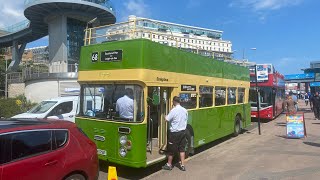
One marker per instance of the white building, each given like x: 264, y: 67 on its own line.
x: 207, y: 42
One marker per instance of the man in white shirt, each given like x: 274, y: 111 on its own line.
x: 124, y: 105
x: 177, y: 118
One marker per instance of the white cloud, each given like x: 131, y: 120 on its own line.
x: 11, y: 12
x: 135, y: 7
x: 264, y: 5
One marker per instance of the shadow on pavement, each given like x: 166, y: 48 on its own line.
x: 282, y: 136
x: 261, y: 120
x: 316, y: 123
x: 281, y: 124
x: 139, y: 173
x: 131, y: 173
x: 312, y: 144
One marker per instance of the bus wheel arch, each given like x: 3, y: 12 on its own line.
x: 190, y: 140
x: 237, y: 125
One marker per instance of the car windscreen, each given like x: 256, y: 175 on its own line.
x: 42, y: 107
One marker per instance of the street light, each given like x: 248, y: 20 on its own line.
x: 6, y: 81
x: 257, y: 92
x: 243, y: 52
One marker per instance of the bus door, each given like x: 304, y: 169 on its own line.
x: 158, y: 107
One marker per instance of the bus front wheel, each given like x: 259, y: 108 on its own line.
x: 237, y: 126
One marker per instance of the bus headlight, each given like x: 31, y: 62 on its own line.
x: 123, y: 140
x: 123, y: 152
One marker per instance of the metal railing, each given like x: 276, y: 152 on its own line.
x: 17, y: 27
x: 33, y: 72
x: 105, y: 3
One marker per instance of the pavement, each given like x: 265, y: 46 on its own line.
x: 250, y: 156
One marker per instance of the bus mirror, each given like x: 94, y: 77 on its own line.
x: 155, y: 99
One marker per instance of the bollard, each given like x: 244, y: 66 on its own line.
x: 112, y: 173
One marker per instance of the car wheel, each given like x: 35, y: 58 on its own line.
x: 237, y: 126
x: 76, y: 177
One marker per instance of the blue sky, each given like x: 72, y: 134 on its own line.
x: 285, y: 32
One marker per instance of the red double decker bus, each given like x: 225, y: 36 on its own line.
x: 271, y: 86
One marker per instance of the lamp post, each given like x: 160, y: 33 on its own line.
x: 257, y: 90
x: 258, y: 98
x: 6, y: 81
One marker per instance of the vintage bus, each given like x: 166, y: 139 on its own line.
x: 214, y: 92
x: 271, y: 86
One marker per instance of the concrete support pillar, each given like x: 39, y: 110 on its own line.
x: 58, y: 50
x: 17, y: 52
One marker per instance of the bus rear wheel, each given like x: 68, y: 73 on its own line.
x: 237, y: 126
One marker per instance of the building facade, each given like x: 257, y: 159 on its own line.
x: 207, y: 42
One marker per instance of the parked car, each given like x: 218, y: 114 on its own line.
x: 32, y: 149
x: 63, y: 108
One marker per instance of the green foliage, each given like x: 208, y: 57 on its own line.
x: 14, y: 106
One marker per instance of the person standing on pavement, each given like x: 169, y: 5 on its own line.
x: 306, y: 99
x: 177, y: 119
x: 311, y: 101
x: 316, y: 105
x: 290, y: 105
x: 295, y: 99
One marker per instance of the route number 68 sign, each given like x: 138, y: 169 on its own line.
x: 94, y: 56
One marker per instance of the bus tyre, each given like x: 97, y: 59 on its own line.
x: 188, y: 148
x: 237, y: 126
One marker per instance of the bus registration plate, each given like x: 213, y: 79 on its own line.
x: 253, y: 116
x: 102, y: 152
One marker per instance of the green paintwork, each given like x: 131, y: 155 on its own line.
x: 136, y: 157
x: 143, y: 53
x: 210, y: 124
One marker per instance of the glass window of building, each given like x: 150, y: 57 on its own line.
x: 220, y: 96
x: 75, y: 36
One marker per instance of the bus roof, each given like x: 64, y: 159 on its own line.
x: 145, y: 54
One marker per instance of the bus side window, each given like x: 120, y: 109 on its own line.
x: 232, y: 95
x: 206, y: 98
x: 241, y: 93
x: 188, y: 100
x: 220, y: 93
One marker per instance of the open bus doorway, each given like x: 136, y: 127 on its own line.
x: 158, y: 107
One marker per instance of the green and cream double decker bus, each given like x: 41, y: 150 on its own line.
x: 215, y: 94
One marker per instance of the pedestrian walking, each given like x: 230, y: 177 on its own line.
x: 316, y: 105
x: 177, y: 119
x: 295, y: 99
x: 311, y: 101
x: 306, y: 99
x: 290, y: 105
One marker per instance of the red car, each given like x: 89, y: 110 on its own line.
x: 46, y: 149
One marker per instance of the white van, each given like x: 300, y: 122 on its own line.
x: 63, y: 108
